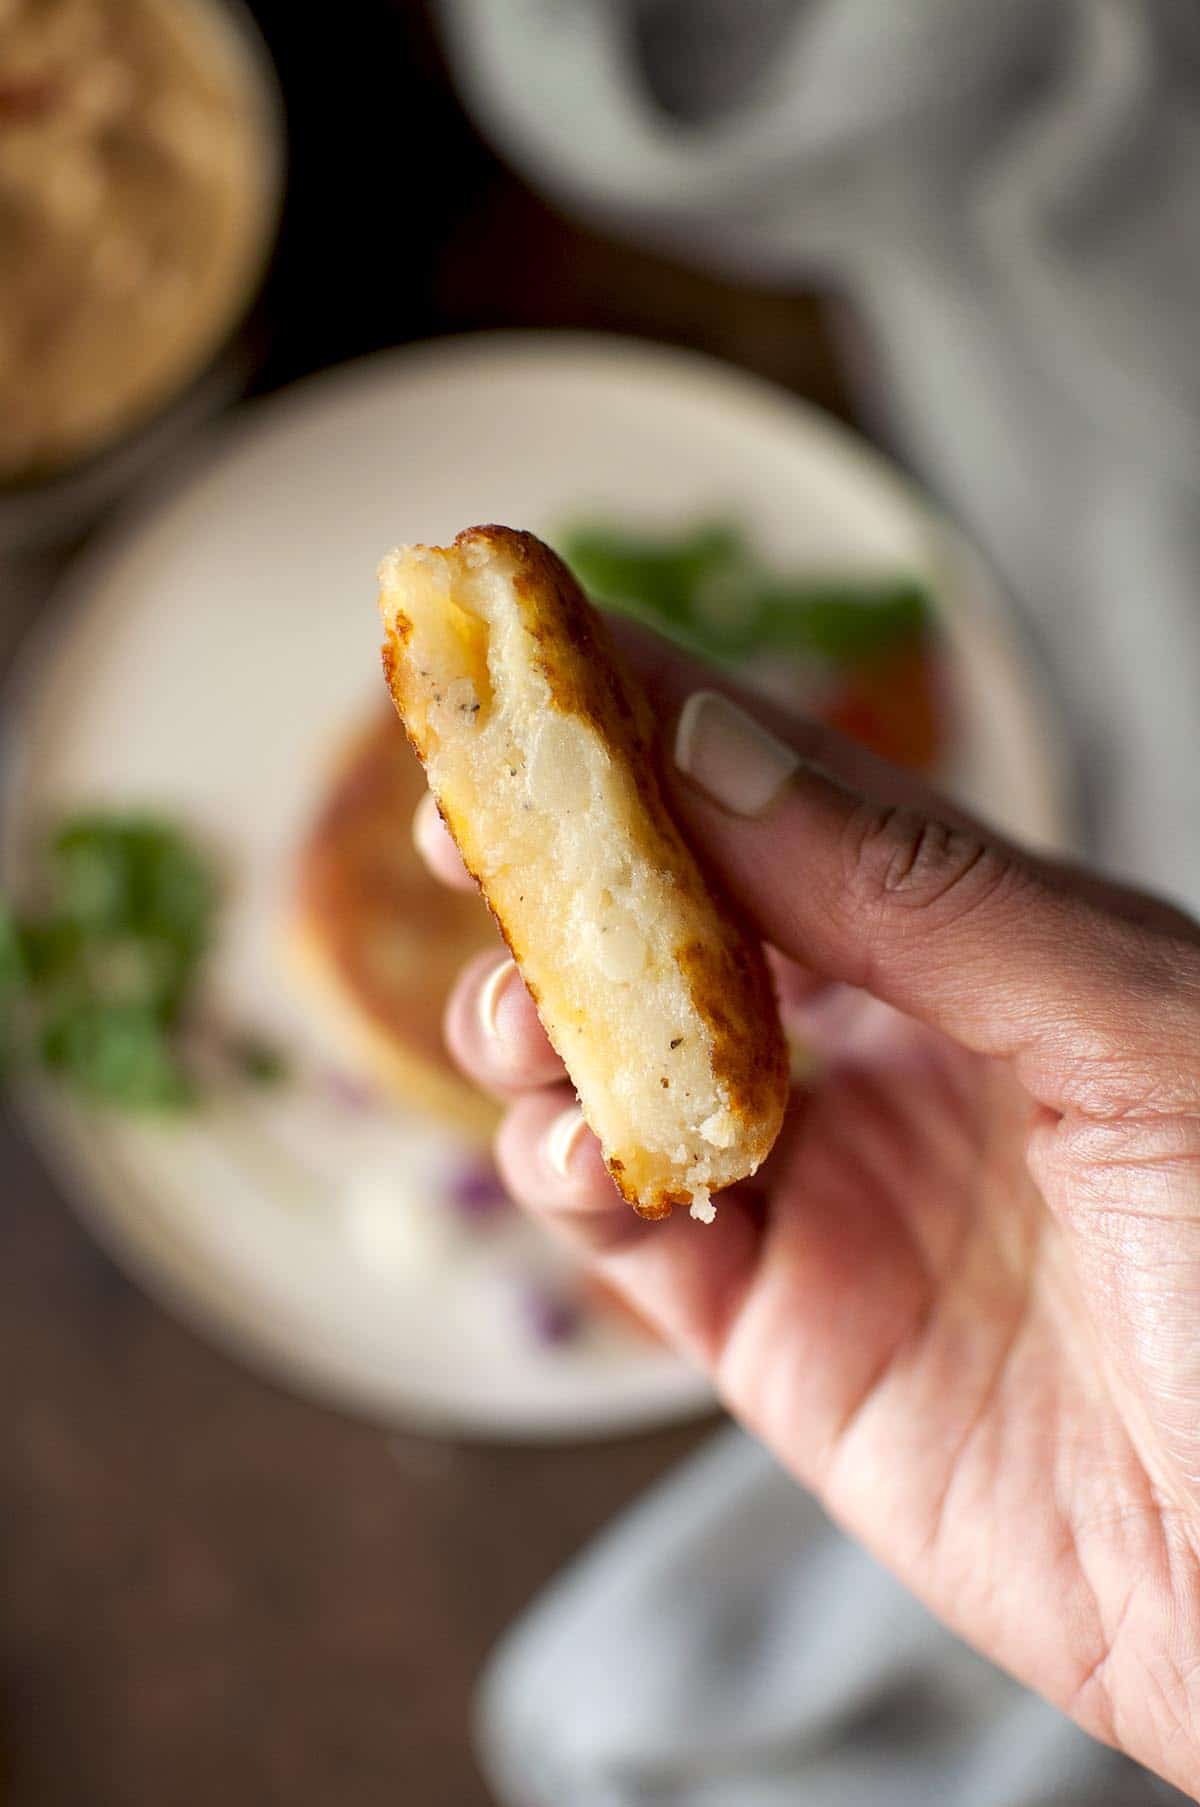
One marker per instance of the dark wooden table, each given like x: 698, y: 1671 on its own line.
x: 214, y: 1592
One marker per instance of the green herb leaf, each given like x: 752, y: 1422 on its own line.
x: 653, y: 572
x: 13, y: 979
x: 848, y: 623
x: 662, y: 579
x: 132, y: 876
x: 116, y: 1054
x: 706, y: 591
x: 98, y: 983
x: 49, y: 948
x: 13, y: 974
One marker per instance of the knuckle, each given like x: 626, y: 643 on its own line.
x: 1156, y: 1031
x: 1129, y: 1050
x: 1181, y: 954
x: 1112, y: 1079
x: 1157, y: 976
x: 901, y: 858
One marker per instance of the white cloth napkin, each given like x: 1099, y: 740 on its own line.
x: 1010, y: 192
x: 724, y: 1646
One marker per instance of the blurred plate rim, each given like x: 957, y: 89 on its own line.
x: 58, y: 1126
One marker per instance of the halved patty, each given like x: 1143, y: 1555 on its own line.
x: 376, y: 938
x: 540, y: 751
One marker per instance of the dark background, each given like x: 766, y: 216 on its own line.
x: 213, y: 1592
x: 401, y: 224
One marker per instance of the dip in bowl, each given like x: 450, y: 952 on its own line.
x: 140, y: 174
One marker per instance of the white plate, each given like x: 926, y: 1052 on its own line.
x: 213, y: 653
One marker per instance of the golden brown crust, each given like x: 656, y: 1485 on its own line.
x: 378, y: 935
x: 720, y: 958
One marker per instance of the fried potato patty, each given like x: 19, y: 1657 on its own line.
x: 376, y: 939
x: 540, y: 751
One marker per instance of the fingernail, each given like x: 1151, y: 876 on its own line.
x: 562, y: 1139
x: 489, y: 997
x: 723, y: 750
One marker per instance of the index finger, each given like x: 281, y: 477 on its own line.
x: 670, y: 677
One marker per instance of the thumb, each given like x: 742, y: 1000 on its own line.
x: 1094, y: 992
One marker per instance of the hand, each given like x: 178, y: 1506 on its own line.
x: 962, y: 1299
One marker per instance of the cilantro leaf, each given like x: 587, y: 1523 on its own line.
x: 116, y: 1054
x: 706, y: 591
x: 99, y: 982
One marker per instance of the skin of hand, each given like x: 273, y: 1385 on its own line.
x: 961, y: 1301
